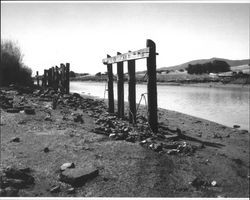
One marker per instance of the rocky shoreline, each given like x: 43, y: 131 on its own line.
x: 43, y: 132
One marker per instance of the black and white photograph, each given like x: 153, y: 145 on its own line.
x: 136, y: 99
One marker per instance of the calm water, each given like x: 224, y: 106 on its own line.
x: 227, y: 106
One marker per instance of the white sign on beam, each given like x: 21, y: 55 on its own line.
x: 142, y: 53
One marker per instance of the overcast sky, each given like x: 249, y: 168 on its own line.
x: 84, y: 33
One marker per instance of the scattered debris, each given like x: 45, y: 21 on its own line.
x: 71, y: 190
x: 11, y: 192
x: 13, y: 110
x: 15, y: 173
x: 55, y: 189
x: 29, y: 111
x: 198, y: 183
x: 78, y: 118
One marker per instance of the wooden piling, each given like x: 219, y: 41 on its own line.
x: 120, y: 88
x: 53, y: 77
x: 37, y: 78
x: 56, y: 78
x: 110, y: 88
x: 45, y: 78
x: 67, y: 78
x: 50, y: 77
x: 152, y: 88
x: 131, y: 91
x: 62, y: 88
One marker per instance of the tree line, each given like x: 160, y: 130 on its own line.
x: 215, y: 66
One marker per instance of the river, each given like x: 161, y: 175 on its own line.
x: 227, y: 106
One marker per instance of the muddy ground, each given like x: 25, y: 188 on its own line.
x: 189, y: 157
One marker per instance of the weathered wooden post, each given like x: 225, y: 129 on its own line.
x: 56, y: 77
x: 152, y: 88
x: 120, y: 88
x: 131, y: 91
x: 50, y: 77
x: 62, y: 77
x: 67, y: 78
x: 53, y: 77
x: 37, y: 78
x: 110, y: 87
x: 45, y: 78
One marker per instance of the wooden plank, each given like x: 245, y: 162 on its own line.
x: 142, y: 53
x: 120, y: 89
x: 110, y: 87
x: 131, y: 91
x: 152, y: 88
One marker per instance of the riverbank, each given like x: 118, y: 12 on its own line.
x: 189, y: 157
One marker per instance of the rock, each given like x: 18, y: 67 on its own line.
x: 78, y: 118
x: 213, y: 183
x: 121, y: 136
x: 15, y: 139
x: 29, y: 111
x: 76, y: 95
x: 12, y: 110
x: 77, y: 177
x: 46, y: 150
x: 15, y: 183
x: 197, y: 183
x: 14, y: 173
x: 11, y: 192
x: 112, y: 135
x: 173, y: 151
x: 130, y: 139
x: 66, y: 166
x: 236, y: 126
x: 143, y: 142
x: 48, y: 118
x: 157, y: 147
x: 243, y: 131
x: 55, y: 189
x: 71, y: 191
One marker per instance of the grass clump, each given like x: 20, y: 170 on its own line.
x: 12, y: 69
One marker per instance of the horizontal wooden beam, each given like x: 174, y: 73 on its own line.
x: 134, y: 55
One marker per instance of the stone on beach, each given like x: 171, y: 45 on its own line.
x: 78, y: 176
x: 66, y: 166
x: 29, y: 111
x: 15, y: 139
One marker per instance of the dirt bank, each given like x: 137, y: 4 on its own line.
x: 189, y: 157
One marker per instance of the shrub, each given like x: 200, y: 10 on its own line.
x: 210, y: 67
x: 12, y: 70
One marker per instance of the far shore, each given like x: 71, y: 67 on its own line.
x: 206, y: 85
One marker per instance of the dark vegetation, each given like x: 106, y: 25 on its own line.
x: 12, y: 69
x: 215, y: 66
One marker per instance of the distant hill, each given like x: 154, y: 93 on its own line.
x: 232, y: 63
